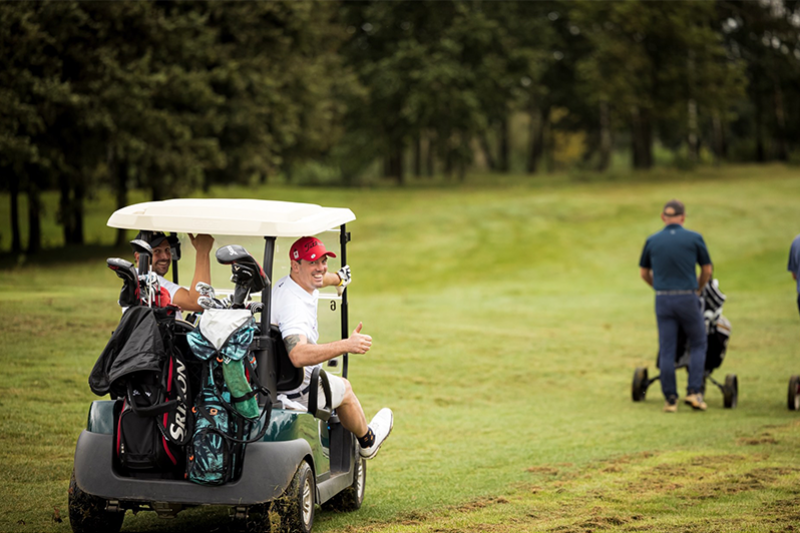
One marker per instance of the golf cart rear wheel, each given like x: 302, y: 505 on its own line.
x: 793, y: 399
x: 640, y: 384
x: 296, y: 506
x: 351, y: 498
x: 731, y: 391
x: 87, y: 513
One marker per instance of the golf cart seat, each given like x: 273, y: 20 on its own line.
x: 290, y: 377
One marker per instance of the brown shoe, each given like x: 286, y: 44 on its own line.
x: 670, y: 407
x: 696, y: 401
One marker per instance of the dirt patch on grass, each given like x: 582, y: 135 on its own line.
x: 481, y: 503
x: 764, y: 438
x: 633, y: 493
x: 543, y: 470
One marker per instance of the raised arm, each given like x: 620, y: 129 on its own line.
x: 187, y: 299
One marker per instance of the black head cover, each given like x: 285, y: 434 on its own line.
x: 129, y: 295
x: 244, y: 267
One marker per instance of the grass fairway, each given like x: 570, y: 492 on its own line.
x: 507, y: 322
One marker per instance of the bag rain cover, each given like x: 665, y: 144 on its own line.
x: 225, y: 331
x: 136, y: 345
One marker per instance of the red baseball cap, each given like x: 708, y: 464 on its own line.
x: 308, y: 249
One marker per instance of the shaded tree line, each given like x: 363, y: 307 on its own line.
x: 178, y: 96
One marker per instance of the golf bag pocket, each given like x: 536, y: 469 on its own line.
x: 209, y: 454
x: 140, y: 445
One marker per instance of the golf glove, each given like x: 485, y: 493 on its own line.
x: 344, y: 275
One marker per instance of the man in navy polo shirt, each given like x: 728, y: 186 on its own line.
x: 794, y: 265
x: 668, y: 265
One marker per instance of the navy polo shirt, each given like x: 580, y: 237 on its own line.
x: 672, y: 254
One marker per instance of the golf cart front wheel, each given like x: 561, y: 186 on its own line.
x: 730, y: 391
x: 793, y: 400
x: 640, y: 384
x: 296, y: 506
x: 87, y: 513
x: 351, y: 498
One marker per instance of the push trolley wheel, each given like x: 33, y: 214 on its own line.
x: 640, y: 384
x: 731, y: 391
x: 793, y: 399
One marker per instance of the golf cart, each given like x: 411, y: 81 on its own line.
x: 287, y: 461
x: 718, y: 329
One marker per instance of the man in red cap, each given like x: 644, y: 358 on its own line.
x: 294, y: 310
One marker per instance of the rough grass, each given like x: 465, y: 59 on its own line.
x: 508, y: 318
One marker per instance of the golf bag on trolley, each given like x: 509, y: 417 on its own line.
x: 226, y: 408
x: 143, y: 368
x: 226, y: 405
x: 718, y: 330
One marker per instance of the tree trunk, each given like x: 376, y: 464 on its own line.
x: 119, y: 169
x: 78, y: 212
x: 535, y: 139
x: 387, y: 166
x: 399, y: 171
x: 34, y: 214
x: 719, y: 139
x: 605, y: 136
x: 430, y: 157
x: 487, y: 150
x: 548, y: 143
x: 16, y: 236
x: 780, y: 122
x: 693, y: 138
x: 156, y: 189
x: 65, y: 207
x: 393, y: 165
x: 464, y: 148
x: 448, y: 157
x: 504, y: 164
x: 418, y: 156
x: 641, y: 139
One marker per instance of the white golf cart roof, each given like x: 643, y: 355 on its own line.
x: 225, y: 216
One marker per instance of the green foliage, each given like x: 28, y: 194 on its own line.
x: 164, y: 96
x: 172, y: 97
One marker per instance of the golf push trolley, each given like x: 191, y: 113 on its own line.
x: 718, y: 330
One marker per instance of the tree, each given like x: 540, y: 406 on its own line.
x: 430, y: 69
x: 765, y: 36
x: 649, y: 61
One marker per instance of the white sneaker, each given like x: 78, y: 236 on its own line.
x: 381, y: 426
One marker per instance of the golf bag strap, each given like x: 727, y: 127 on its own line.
x: 258, y: 387
x: 265, y: 414
x: 153, y: 410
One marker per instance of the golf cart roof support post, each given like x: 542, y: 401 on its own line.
x: 174, y: 260
x: 268, y: 376
x: 344, y: 238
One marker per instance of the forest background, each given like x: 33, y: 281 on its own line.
x: 175, y: 97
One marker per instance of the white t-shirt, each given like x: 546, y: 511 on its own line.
x: 294, y: 311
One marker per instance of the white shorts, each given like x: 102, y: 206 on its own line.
x: 338, y: 389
